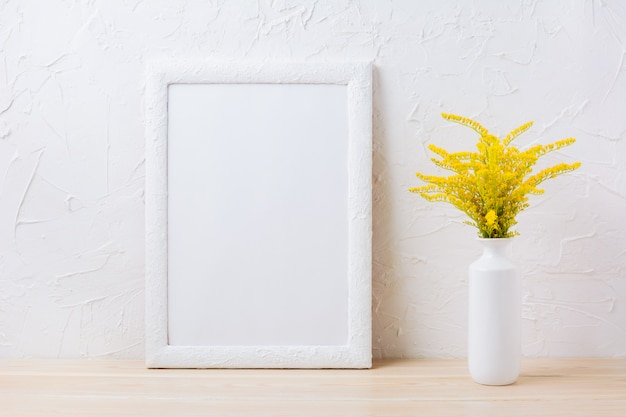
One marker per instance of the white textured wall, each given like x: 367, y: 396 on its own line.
x: 72, y: 158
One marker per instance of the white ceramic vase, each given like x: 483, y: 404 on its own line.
x: 494, y: 327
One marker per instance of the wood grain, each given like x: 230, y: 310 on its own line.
x: 547, y: 387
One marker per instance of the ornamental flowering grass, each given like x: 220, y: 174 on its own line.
x: 491, y: 185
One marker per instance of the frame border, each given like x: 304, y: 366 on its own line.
x: 357, y: 353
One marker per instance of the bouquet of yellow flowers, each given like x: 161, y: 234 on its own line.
x: 492, y: 185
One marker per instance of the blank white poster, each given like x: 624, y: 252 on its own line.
x: 257, y: 219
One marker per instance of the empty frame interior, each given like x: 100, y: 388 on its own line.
x: 258, y: 216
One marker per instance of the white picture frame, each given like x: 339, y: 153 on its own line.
x: 258, y: 215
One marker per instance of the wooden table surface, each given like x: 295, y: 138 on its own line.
x: 546, y: 387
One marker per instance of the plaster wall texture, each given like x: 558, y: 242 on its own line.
x: 72, y: 158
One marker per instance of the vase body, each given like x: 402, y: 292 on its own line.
x: 495, y: 316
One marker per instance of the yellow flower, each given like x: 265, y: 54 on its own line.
x: 492, y: 185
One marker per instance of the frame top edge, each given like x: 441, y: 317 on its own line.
x: 198, y: 71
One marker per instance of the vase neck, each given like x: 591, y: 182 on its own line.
x: 495, y: 247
